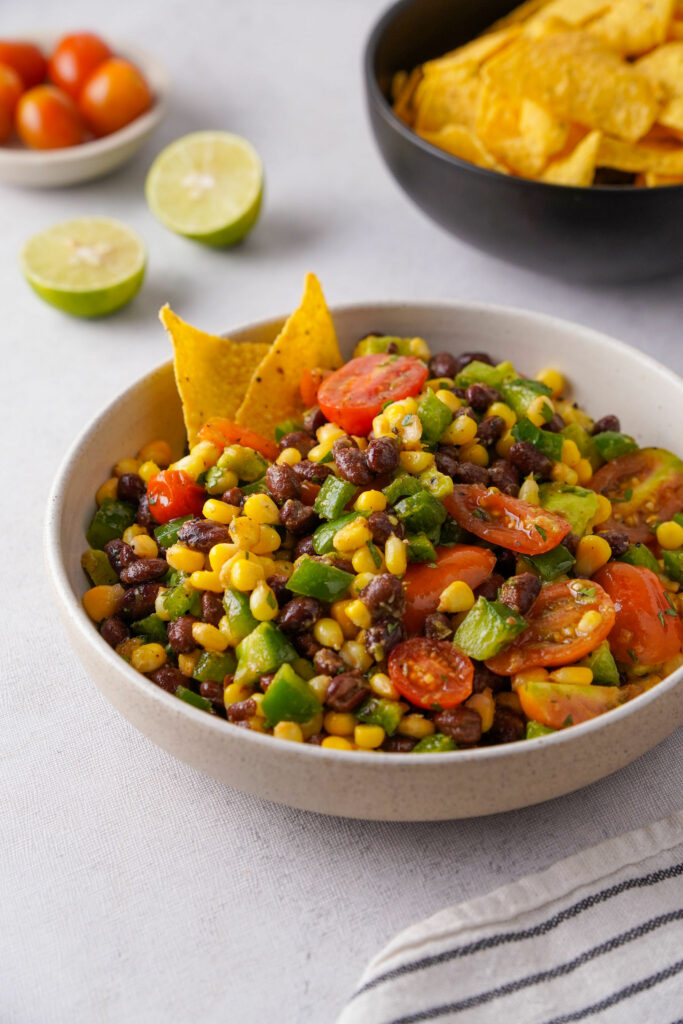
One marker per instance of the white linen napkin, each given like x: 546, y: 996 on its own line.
x: 598, y: 937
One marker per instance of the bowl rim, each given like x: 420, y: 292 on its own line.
x: 159, y: 81
x: 386, y: 111
x: 70, y: 606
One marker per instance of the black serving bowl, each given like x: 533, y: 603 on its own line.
x: 598, y: 234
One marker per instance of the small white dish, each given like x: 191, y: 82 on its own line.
x: 607, y: 377
x: 53, y: 168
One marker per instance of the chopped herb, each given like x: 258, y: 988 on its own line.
x: 272, y: 603
x: 671, y: 603
x: 541, y: 531
x: 587, y: 592
x: 374, y: 553
x: 670, y: 611
x: 436, y: 706
x: 546, y: 412
x: 627, y: 495
x: 406, y: 420
x: 568, y: 721
x: 391, y: 627
x: 632, y: 654
x: 660, y: 616
x: 480, y: 514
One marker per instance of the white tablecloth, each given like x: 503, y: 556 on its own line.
x: 133, y: 889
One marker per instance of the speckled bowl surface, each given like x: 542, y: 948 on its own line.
x: 607, y: 377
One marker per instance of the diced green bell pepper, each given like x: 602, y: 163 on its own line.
x: 603, y: 665
x: 98, y: 567
x: 401, y: 487
x: 109, y: 522
x: 673, y: 564
x: 152, y: 628
x: 264, y: 650
x: 420, y: 548
x: 640, y: 554
x: 247, y: 463
x: 323, y: 537
x: 214, y: 666
x: 421, y: 512
x: 520, y: 393
x: 258, y: 487
x: 552, y: 563
x: 217, y: 479
x: 483, y: 373
x: 577, y: 505
x: 304, y: 668
x: 488, y: 627
x: 238, y: 614
x: 374, y: 344
x: 379, y: 711
x: 437, y: 743
x: 451, y: 533
x: 286, y: 427
x: 543, y: 440
x: 190, y: 697
x: 534, y: 729
x: 315, y: 579
x: 333, y: 497
x: 289, y: 698
x: 611, y: 444
x: 435, y: 417
x: 180, y: 601
x: 584, y: 442
x: 167, y: 533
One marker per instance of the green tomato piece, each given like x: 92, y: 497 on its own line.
x: 437, y: 743
x: 577, y: 505
x: 214, y: 666
x: 435, y: 417
x: 167, y: 534
x: 264, y: 650
x: 152, y: 628
x: 603, y: 665
x: 98, y: 567
x: 289, y: 698
x: 315, y: 579
x: 379, y: 711
x: 109, y: 522
x: 543, y: 440
x: 611, y: 444
x: 333, y: 497
x: 488, y: 627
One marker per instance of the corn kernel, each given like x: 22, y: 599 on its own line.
x: 538, y: 411
x: 187, y: 663
x: 128, y: 465
x: 563, y: 474
x: 363, y: 561
x: 235, y: 693
x: 673, y: 664
x: 504, y: 445
x: 244, y: 532
x: 318, y: 453
x: 395, y: 556
x: 570, y: 453
x: 145, y: 546
x: 338, y: 613
x: 529, y: 491
x: 437, y: 483
x: 289, y: 457
x: 435, y: 383
x: 381, y: 427
x: 281, y: 567
x: 395, y: 412
x: 416, y: 726
x: 245, y: 574
x: 100, y: 602
x: 262, y: 509
x: 288, y: 731
x: 409, y: 430
x: 475, y: 453
x: 156, y: 451
x: 209, y: 637
x: 370, y: 501
x: 485, y: 706
x: 588, y: 623
x: 369, y: 737
x: 339, y: 723
x: 451, y: 401
x: 576, y: 675
x: 336, y: 743
x: 352, y: 536
x: 584, y: 471
x: 592, y: 553
x: 670, y: 535
x: 131, y: 532
x: 382, y: 685
x: 190, y: 464
x: 184, y: 559
x: 329, y: 633
x: 148, y: 657
x: 160, y: 606
x: 318, y: 685
x: 508, y: 415
x: 462, y: 430
x: 359, y: 614
x: 258, y: 701
x: 528, y: 675
x: 354, y: 655
x: 604, y: 509
x: 220, y: 554
x: 205, y: 580
x: 362, y: 442
x: 552, y: 379
x: 219, y: 511
x: 420, y: 349
x: 147, y: 470
x: 456, y: 597
x: 207, y: 452
x: 312, y: 726
x: 416, y: 462
x: 361, y: 581
x: 329, y: 432
x: 108, y: 490
x: 263, y: 603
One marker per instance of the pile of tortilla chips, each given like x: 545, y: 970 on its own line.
x: 253, y: 384
x: 571, y: 92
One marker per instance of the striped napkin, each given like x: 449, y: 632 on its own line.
x: 597, y: 937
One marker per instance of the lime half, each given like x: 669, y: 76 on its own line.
x: 207, y: 186
x: 88, y: 267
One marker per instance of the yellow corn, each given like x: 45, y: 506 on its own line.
x: 361, y: 581
x: 318, y: 685
x: 507, y: 414
x: 128, y: 465
x: 244, y: 532
x: 219, y: 511
x: 381, y: 427
x: 145, y: 546
x: 339, y: 723
x: 369, y: 737
x: 504, y: 445
x: 147, y: 470
x: 592, y: 553
x: 258, y: 701
x: 184, y: 559
x: 159, y: 605
x: 100, y: 602
x: 563, y: 474
x: 584, y: 471
x: 246, y: 574
x: 451, y: 401
x: 156, y: 451
x: 289, y: 457
x: 456, y: 597
x: 588, y: 623
x: 187, y: 663
x: 263, y: 603
x: 336, y: 743
x: 435, y: 383
x: 370, y: 501
x: 570, y: 453
x: 329, y: 633
x: 318, y: 453
x: 352, y: 536
x: 288, y: 731
x: 552, y: 379
x: 235, y: 693
x: 209, y: 637
x: 338, y: 613
x: 363, y: 561
x: 269, y: 541
x: 528, y: 675
x: 355, y: 655
x: 420, y: 349
x: 538, y: 410
x: 262, y: 509
x: 382, y: 685
x: 462, y: 430
x: 312, y: 726
x: 395, y: 556
x: 220, y: 554
x: 416, y: 462
x: 395, y: 411
x: 359, y: 614
x: 529, y: 491
x: 416, y: 726
x: 329, y: 432
x: 604, y: 509
x: 475, y: 453
x: 107, y: 492
x: 485, y: 706
x: 577, y: 675
x: 205, y: 580
x: 131, y: 532
x: 409, y: 430
x: 148, y: 657
x: 670, y: 535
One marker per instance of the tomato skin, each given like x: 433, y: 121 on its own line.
x: 309, y: 385
x: 644, y: 625
x: 221, y: 432
x: 113, y: 96
x: 11, y: 89
x: 174, y: 493
x: 655, y: 479
x: 551, y: 638
x: 423, y: 583
x: 47, y: 118
x: 505, y: 521
x: 431, y: 673
x: 558, y: 705
x: 26, y: 59
x: 74, y: 59
x: 352, y: 396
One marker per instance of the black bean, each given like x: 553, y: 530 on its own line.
x: 130, y: 488
x: 298, y: 439
x: 202, y: 534
x: 306, y: 645
x: 462, y: 724
x: 327, y: 662
x: 212, y: 608
x: 299, y: 614
x: 505, y: 477
x: 316, y: 740
x: 314, y: 419
x: 138, y: 602
x: 233, y: 496
x: 491, y: 430
x: 241, y: 710
x: 382, y: 454
x: 469, y: 473
x: 447, y: 461
x: 398, y: 744
x: 384, y: 525
x: 114, y: 631
x: 505, y: 562
x: 609, y: 422
x: 120, y: 554
x: 303, y: 547
x: 571, y: 543
x: 618, y: 541
x: 443, y: 364
x: 438, y: 626
x: 316, y: 472
x: 465, y: 410
x: 459, y: 393
x: 144, y: 570
x: 520, y: 592
x: 180, y: 634
x: 485, y: 679
x: 555, y: 425
x: 352, y: 463
x: 481, y: 396
x: 465, y: 358
x: 212, y: 691
x: 265, y: 681
x: 297, y: 517
x: 382, y: 637
x: 507, y: 726
x: 346, y: 691
x: 278, y: 584
x: 489, y: 588
x: 528, y: 459
x: 143, y: 516
x: 384, y: 597
x: 168, y: 678
x: 283, y: 483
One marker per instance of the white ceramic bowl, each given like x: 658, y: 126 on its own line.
x: 608, y: 377
x: 52, y: 168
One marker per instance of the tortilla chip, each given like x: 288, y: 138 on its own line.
x: 519, y: 132
x: 579, y: 167
x: 447, y: 98
x: 661, y: 158
x: 652, y: 180
x: 476, y: 52
x: 573, y: 12
x: 632, y: 27
x: 676, y: 29
x: 461, y: 142
x: 306, y: 341
x: 664, y: 69
x: 212, y: 374
x: 404, y: 90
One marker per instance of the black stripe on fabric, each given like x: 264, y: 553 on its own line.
x: 542, y: 976
x: 503, y: 938
x: 624, y: 993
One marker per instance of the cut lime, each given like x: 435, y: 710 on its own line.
x: 207, y: 186
x: 88, y: 267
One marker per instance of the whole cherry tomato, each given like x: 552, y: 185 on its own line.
x: 352, y: 396
x: 424, y: 582
x: 505, y: 521
x: 26, y: 59
x: 647, y: 629
x: 47, y: 118
x: 74, y: 59
x: 431, y: 673
x: 174, y: 493
x: 113, y: 96
x: 11, y: 89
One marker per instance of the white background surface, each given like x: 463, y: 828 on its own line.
x: 132, y: 888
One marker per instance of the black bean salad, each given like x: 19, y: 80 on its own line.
x: 438, y: 554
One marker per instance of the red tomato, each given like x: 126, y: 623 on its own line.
x: 309, y: 385
x: 647, y: 629
x: 173, y: 493
x: 645, y: 488
x: 423, y: 583
x: 26, y: 59
x: 113, y: 96
x: 553, y: 637
x: 48, y: 119
x: 221, y: 432
x: 431, y: 673
x: 11, y: 89
x: 353, y: 395
x: 505, y: 521
x: 74, y: 59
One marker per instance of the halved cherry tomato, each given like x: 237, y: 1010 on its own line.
x: 558, y: 705
x: 423, y: 583
x: 74, y: 59
x: 113, y: 96
x: 48, y: 119
x: 353, y: 395
x: 645, y: 488
x: 505, y: 521
x: 647, y: 629
x: 26, y: 59
x: 556, y: 634
x: 11, y: 89
x: 431, y: 673
x: 309, y: 385
x: 221, y: 432
x: 174, y: 493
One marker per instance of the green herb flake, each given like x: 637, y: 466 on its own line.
x: 406, y: 420
x: 272, y: 603
x: 541, y: 531
x: 374, y: 553
x: 479, y: 513
x: 569, y: 720
x: 632, y: 654
x: 671, y: 603
x: 627, y: 495
x: 660, y: 616
x: 546, y: 412
x: 587, y: 592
